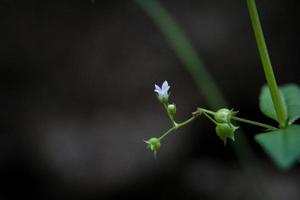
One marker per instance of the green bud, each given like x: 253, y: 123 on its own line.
x: 225, y: 130
x: 224, y: 115
x: 153, y: 144
x: 172, y: 109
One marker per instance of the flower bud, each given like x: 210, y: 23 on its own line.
x: 172, y: 109
x: 223, y: 115
x: 225, y: 130
x: 153, y: 144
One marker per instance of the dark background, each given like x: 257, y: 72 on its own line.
x: 77, y: 80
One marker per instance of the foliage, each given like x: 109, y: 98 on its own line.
x: 282, y: 145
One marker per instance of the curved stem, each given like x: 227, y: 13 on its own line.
x: 267, y: 66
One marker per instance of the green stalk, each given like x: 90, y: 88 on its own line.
x: 177, y: 126
x: 207, y: 113
x: 255, y: 123
x: 267, y: 66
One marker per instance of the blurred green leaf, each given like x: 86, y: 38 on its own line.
x: 291, y: 94
x: 266, y: 104
x: 282, y: 145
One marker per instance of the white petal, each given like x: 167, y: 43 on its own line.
x: 166, y: 89
x: 165, y: 86
x: 157, y: 87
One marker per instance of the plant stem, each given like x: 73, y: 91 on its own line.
x: 205, y: 111
x: 167, y: 132
x: 267, y: 66
x: 210, y: 118
x: 186, y: 121
x: 269, y: 127
x: 178, y: 125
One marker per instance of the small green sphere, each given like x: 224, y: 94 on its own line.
x: 153, y: 144
x: 225, y: 130
x: 172, y: 109
x: 223, y: 115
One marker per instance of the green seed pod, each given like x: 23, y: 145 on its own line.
x: 153, y: 144
x: 225, y: 130
x: 172, y: 109
x: 223, y: 115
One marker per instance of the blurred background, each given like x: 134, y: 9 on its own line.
x: 77, y: 101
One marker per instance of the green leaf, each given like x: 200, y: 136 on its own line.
x: 291, y: 93
x: 282, y: 145
x: 266, y: 104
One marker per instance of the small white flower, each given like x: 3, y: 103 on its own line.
x: 162, y: 93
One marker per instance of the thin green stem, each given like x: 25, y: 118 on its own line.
x: 167, y: 132
x: 267, y: 66
x: 210, y: 118
x: 269, y: 127
x: 178, y: 125
x: 205, y: 111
